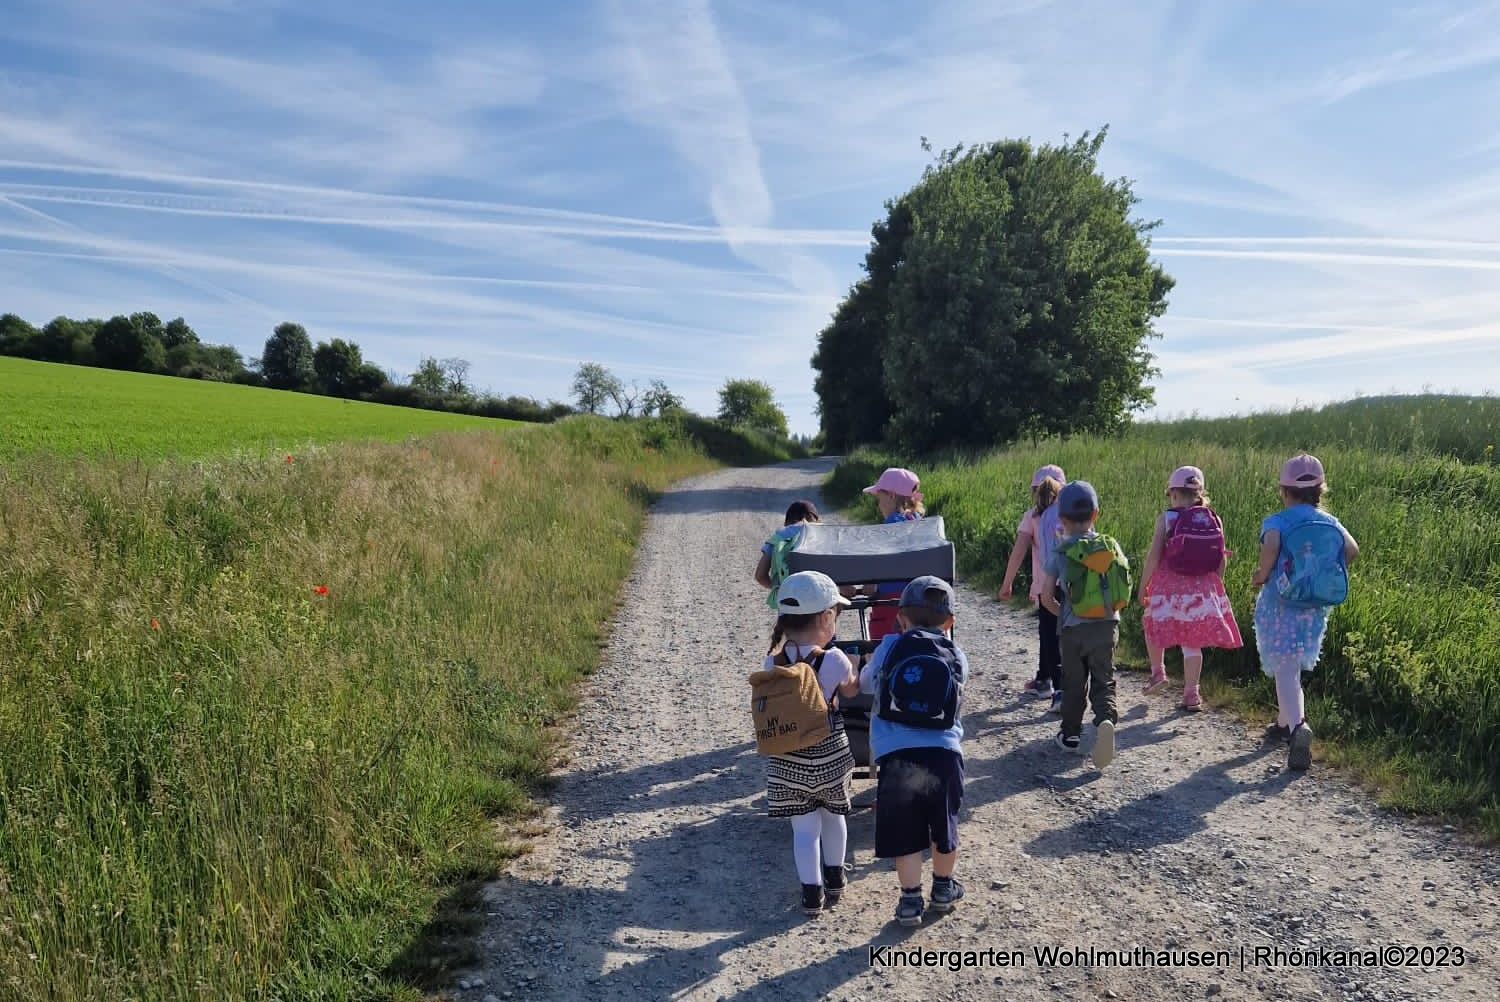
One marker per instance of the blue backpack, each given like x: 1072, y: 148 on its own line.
x: 921, y: 681
x: 1312, y: 571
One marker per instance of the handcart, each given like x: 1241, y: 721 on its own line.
x: 869, y: 554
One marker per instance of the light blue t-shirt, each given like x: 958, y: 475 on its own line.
x: 887, y: 737
x: 785, y: 532
x: 1287, y: 519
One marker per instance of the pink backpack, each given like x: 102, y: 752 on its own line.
x: 1195, y: 542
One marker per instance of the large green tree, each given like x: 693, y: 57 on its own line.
x: 132, y: 342
x: 16, y: 336
x: 1009, y: 293
x: 751, y: 403
x: 287, y: 362
x: 66, y: 340
x: 850, y: 384
x: 337, y: 364
x: 175, y: 333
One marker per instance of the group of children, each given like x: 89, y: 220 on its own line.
x: 1080, y: 580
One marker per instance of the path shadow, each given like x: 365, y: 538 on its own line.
x: 768, y: 501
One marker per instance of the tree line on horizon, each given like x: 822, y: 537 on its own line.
x: 142, y: 342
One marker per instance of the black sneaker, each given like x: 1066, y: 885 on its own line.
x: 1277, y: 733
x: 1300, y: 757
x: 1067, y: 744
x: 833, y: 884
x: 945, y: 894
x: 812, y: 899
x: 909, y: 908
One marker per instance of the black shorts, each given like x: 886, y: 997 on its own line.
x: 916, y: 801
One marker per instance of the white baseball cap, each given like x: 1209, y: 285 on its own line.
x: 808, y: 593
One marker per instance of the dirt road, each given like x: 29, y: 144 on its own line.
x: 660, y: 876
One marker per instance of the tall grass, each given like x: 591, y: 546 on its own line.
x: 1410, y: 675
x: 255, y: 712
x: 1461, y: 427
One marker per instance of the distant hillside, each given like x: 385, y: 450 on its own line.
x: 62, y: 409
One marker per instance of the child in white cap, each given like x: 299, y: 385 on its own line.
x: 811, y: 786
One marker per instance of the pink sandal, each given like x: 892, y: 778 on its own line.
x: 1158, y: 680
x: 1191, y: 701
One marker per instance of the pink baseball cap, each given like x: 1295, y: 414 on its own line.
x: 902, y: 483
x: 1043, y: 472
x: 1185, y: 478
x: 1302, y: 471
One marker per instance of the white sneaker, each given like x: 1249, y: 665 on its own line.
x: 1104, y: 748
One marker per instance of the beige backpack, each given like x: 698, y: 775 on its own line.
x: 787, y: 705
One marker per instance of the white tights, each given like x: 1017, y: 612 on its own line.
x: 808, y: 830
x: 1288, y: 676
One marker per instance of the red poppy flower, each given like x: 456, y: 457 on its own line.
x: 320, y: 590
x: 154, y: 624
x: 289, y: 459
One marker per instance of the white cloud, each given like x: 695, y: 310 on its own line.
x: 676, y: 68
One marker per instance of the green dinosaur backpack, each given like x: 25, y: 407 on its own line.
x: 1098, y: 578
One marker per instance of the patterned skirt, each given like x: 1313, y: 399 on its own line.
x: 1189, y: 611
x: 800, y: 782
x: 1288, y: 634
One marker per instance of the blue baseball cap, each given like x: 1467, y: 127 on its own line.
x: 928, y: 592
x: 1077, y: 500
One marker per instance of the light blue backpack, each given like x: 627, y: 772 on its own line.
x: 1312, y: 568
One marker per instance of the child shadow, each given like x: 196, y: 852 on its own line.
x: 717, y: 775
x: 1160, y: 818
x: 566, y: 941
x: 822, y: 977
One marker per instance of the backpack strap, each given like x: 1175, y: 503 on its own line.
x: 816, y: 664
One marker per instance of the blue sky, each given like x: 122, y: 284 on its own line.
x: 683, y: 189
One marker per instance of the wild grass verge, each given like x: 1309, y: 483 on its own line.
x: 258, y: 713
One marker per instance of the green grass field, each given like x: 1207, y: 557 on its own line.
x: 1409, y: 684
x: 70, y: 409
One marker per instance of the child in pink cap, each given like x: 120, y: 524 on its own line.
x: 898, y: 500
x: 1038, y: 532
x: 1183, y: 595
x: 1289, y: 629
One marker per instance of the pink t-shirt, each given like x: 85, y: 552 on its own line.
x: 1028, y: 527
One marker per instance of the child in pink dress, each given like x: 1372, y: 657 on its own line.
x: 1186, y: 605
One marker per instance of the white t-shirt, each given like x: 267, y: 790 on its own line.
x: 836, y: 665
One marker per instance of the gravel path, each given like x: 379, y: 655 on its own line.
x: 660, y: 877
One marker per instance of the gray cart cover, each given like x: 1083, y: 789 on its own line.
x: 858, y: 554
